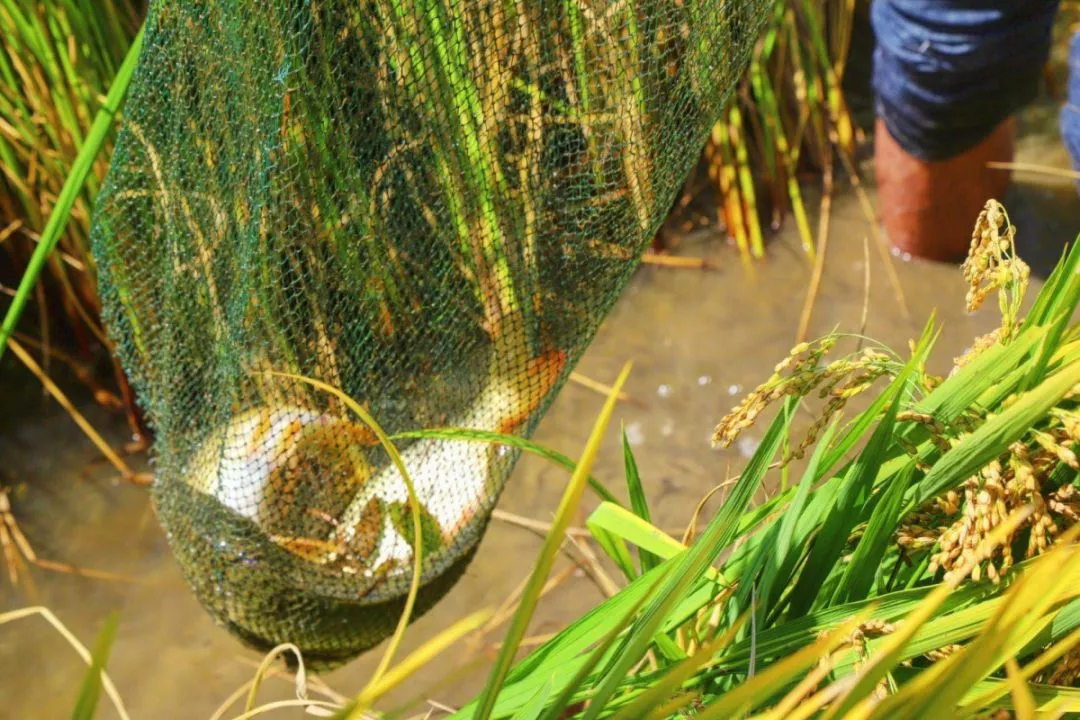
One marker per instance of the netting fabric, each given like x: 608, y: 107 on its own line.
x: 428, y: 204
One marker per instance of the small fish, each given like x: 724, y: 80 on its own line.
x: 452, y: 478
x: 302, y: 476
x: 284, y: 468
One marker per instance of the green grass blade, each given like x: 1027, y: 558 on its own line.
x: 536, y: 705
x: 890, y: 651
x: 638, y: 502
x: 959, y: 626
x: 810, y: 477
x: 719, y: 533
x: 759, y: 687
x: 865, y: 419
x: 781, y: 640
x: 80, y: 169
x: 987, y: 696
x: 1021, y: 615
x: 560, y: 657
x: 614, y: 547
x: 1047, y: 697
x: 1064, y: 622
x: 90, y: 692
x: 622, y: 523
x: 845, y: 513
x: 1065, y: 309
x: 956, y: 395
x: 553, y: 541
x: 667, y: 685
x: 859, y: 574
x: 1048, y: 302
x: 778, y: 560
x: 601, y: 651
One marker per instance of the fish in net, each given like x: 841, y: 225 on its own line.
x: 429, y: 205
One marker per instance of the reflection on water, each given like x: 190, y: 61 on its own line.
x: 698, y: 340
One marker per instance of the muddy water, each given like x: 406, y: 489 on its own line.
x: 698, y: 340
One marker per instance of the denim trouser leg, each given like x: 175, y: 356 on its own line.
x: 947, y: 72
x: 1070, y: 114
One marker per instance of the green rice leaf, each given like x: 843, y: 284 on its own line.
x: 1026, y: 610
x: 895, y: 646
x: 1065, y: 304
x: 860, y: 572
x: 692, y: 564
x: 614, y: 547
x: 560, y: 657
x: 1049, y: 699
x: 536, y: 705
x: 529, y: 598
x: 783, y: 639
x: 779, y: 559
x: 956, y: 395
x: 667, y: 685
x: 1049, y: 304
x: 620, y: 522
x: 601, y: 652
x: 1066, y: 620
x: 971, y: 704
x: 638, y: 501
x: 845, y: 513
x: 758, y: 688
x: 90, y: 692
x: 993, y: 436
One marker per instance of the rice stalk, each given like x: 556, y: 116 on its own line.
x: 59, y: 62
x: 571, y: 497
x: 792, y: 97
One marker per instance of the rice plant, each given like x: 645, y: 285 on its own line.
x: 887, y: 581
x: 924, y: 565
x: 58, y: 61
x: 788, y: 118
x: 913, y: 570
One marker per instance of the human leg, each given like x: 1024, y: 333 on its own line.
x: 949, y: 75
x: 1070, y: 113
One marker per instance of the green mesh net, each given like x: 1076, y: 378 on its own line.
x: 429, y: 204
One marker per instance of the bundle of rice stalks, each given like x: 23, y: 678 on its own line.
x: 788, y: 121
x: 58, y: 59
x: 789, y: 116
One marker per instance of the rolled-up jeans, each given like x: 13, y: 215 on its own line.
x: 1070, y: 114
x: 948, y: 72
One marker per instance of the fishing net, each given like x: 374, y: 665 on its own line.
x: 430, y: 205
